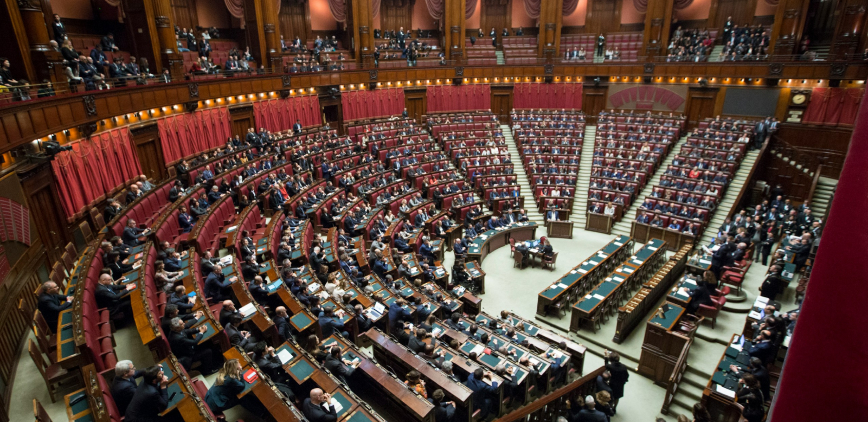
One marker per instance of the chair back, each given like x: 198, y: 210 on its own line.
x: 518, y: 257
x: 84, y: 227
x: 36, y: 355
x: 70, y: 249
x: 41, y: 324
x: 68, y: 262
x: 39, y: 412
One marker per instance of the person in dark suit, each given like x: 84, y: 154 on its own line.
x: 720, y: 258
x: 417, y: 342
x: 772, y: 283
x: 185, y: 221
x: 297, y: 127
x: 588, y: 413
x: 151, y: 397
x: 759, y: 371
x: 701, y: 295
x: 171, y: 312
x: 620, y: 375
x: 112, y: 296
x: 237, y: 336
x: 112, y: 209
x: 483, y: 393
x: 762, y: 347
x: 207, y: 263
x: 337, y: 365
x: 184, y: 343
x: 131, y: 233
x: 124, y: 385
x: 363, y: 322
x: 217, y: 285
x: 59, y: 33
x: 444, y: 411
x: 317, y: 408
x: 329, y: 323
x: 51, y: 303
x: 281, y: 322
x: 397, y: 313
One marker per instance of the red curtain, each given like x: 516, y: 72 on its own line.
x: 447, y: 98
x: 833, y: 106
x: 281, y: 114
x: 548, y: 96
x: 191, y: 133
x: 837, y: 294
x: 94, y: 168
x: 376, y: 103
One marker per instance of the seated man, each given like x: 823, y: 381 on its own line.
x: 124, y: 385
x: 217, y: 285
x: 184, y: 343
x: 317, y: 408
x: 52, y: 303
x: 151, y: 397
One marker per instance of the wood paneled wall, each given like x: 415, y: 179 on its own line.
x: 18, y: 287
x: 775, y: 170
x: 603, y: 16
x: 496, y: 14
x: 294, y: 20
x: 828, y: 144
x: 395, y: 14
x: 184, y: 12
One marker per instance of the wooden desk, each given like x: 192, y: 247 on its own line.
x: 674, y: 239
x: 587, y: 273
x: 665, y: 339
x: 402, y: 360
x: 560, y: 229
x: 598, y: 222
x: 490, y: 240
x: 720, y: 402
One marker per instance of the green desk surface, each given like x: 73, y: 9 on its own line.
x: 618, y: 279
x: 174, y: 388
x: 66, y: 332
x: 611, y: 248
x: 86, y: 418
x: 295, y: 254
x: 262, y: 241
x: 341, y: 398
x: 229, y: 269
x: 82, y: 404
x: 131, y: 276
x: 137, y: 249
x: 265, y: 267
x: 606, y: 287
x: 467, y: 347
x: 407, y: 292
x: 643, y: 254
x: 208, y: 333
x: 66, y: 317
x: 376, y: 285
x: 185, y: 263
x: 358, y: 416
x: 167, y: 369
x: 670, y: 317
x: 302, y: 370
x: 789, y: 268
x: 289, y: 349
x: 550, y: 293
x: 301, y: 321
x: 587, y: 304
x: 67, y: 349
x: 490, y: 360
x: 248, y: 386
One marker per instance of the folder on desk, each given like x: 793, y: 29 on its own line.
x: 248, y: 309
x: 731, y: 352
x: 719, y: 378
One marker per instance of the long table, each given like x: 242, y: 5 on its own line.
x: 585, y: 274
x: 609, y: 292
x: 490, y: 240
x: 719, y: 394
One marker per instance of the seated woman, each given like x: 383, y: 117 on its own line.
x: 415, y: 382
x: 546, y: 247
x: 223, y: 394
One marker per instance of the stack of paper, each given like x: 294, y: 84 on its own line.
x: 284, y: 356
x: 247, y: 309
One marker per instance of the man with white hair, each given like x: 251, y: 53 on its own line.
x: 317, y: 408
x: 124, y: 385
x: 146, y: 185
x: 586, y: 413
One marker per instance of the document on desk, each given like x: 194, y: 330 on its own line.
x: 627, y: 270
x: 651, y: 248
x: 284, y: 356
x: 755, y: 315
x: 720, y: 389
x: 762, y: 299
x: 247, y: 309
x: 689, y: 281
x: 704, y: 262
x: 618, y: 243
x: 338, y: 407
x: 582, y: 271
x: 478, y: 349
x: 618, y: 279
x: 595, y: 263
x: 638, y: 262
x: 598, y: 297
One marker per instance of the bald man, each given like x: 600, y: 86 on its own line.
x: 281, y: 322
x: 317, y: 407
x: 111, y: 296
x: 227, y: 311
